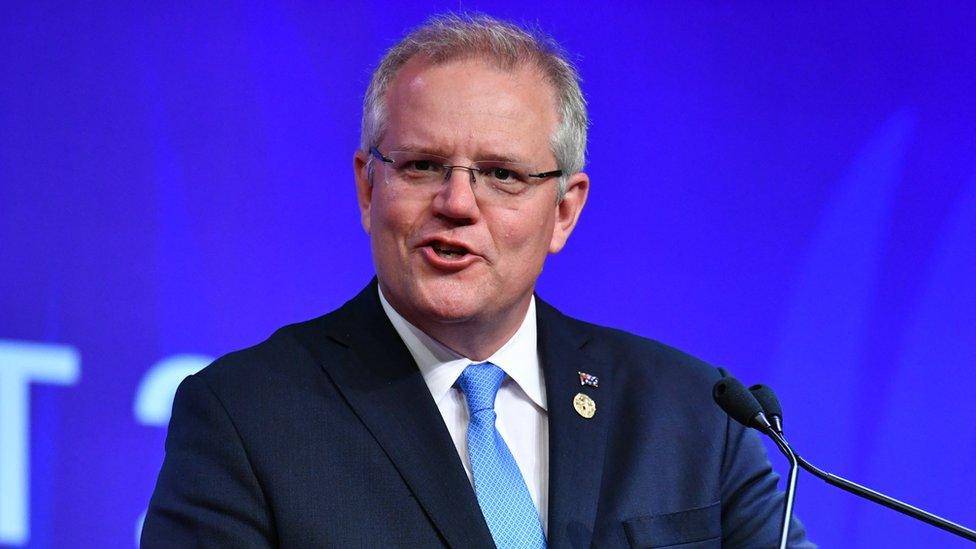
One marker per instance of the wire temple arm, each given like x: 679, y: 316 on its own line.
x: 547, y: 175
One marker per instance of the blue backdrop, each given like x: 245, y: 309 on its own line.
x: 788, y: 191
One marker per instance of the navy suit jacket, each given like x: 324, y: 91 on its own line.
x: 326, y: 435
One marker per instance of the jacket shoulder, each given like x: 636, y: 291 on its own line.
x: 291, y: 356
x: 631, y: 353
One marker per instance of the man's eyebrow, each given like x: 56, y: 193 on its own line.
x: 498, y: 157
x: 437, y: 151
x: 425, y: 149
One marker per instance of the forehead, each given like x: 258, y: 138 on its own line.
x: 471, y: 106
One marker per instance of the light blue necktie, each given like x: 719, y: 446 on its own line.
x: 498, y: 483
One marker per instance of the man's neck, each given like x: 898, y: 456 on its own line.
x: 474, y: 338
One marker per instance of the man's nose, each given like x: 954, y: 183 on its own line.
x: 456, y: 198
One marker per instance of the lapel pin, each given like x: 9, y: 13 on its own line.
x: 584, y: 405
x: 587, y: 379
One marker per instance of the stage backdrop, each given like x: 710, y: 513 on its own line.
x: 789, y: 192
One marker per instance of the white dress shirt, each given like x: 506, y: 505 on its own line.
x: 520, y: 405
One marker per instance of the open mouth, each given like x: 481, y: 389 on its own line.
x: 447, y: 251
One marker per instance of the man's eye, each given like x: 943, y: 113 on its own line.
x: 420, y: 165
x: 501, y: 174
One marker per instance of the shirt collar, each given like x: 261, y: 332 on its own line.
x: 441, y: 366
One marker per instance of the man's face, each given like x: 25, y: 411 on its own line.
x: 466, y: 111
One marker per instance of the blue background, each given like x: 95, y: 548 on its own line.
x: 787, y: 191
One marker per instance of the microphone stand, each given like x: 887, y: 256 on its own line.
x: 790, y: 484
x: 740, y: 403
x: 889, y: 502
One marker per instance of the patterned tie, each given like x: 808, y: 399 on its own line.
x: 498, y: 483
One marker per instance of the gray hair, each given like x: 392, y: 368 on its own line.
x: 451, y: 37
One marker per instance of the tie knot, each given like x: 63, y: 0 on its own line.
x: 480, y: 383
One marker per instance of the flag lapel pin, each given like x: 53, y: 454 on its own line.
x: 588, y: 380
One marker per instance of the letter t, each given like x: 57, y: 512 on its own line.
x: 21, y: 364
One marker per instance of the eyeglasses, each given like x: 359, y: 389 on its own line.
x: 492, y: 180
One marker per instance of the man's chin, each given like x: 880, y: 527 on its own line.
x: 435, y: 301
x: 450, y: 311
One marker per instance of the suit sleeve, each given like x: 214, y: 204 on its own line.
x: 752, y: 506
x: 207, y: 494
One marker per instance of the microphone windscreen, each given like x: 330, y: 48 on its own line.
x: 767, y: 399
x: 733, y: 397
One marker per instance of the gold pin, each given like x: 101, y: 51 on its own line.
x: 584, y: 405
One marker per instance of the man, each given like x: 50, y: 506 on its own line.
x: 375, y: 425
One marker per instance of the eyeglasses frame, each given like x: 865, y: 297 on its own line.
x: 374, y: 151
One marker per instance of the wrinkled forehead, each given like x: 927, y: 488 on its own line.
x: 471, y: 104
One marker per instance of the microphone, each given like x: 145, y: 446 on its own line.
x: 771, y: 408
x: 770, y: 405
x: 741, y: 404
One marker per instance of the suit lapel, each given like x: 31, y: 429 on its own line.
x: 382, y: 384
x: 576, y: 444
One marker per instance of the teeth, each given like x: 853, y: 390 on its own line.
x: 448, y: 251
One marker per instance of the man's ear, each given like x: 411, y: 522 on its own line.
x: 364, y: 188
x: 568, y: 210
